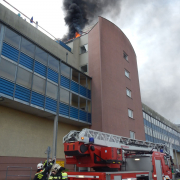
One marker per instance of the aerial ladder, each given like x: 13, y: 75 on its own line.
x: 104, y: 152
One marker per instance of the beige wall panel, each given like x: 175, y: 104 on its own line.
x: 178, y: 158
x: 70, y: 45
x: 84, y: 40
x: 75, y: 61
x: 26, y: 135
x: 84, y: 59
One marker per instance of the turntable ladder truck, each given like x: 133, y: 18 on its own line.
x: 103, y: 156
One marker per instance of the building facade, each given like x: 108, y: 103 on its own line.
x: 45, y: 85
x: 39, y: 83
x: 159, y: 130
x: 111, y: 62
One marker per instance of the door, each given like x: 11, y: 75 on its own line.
x: 158, y: 169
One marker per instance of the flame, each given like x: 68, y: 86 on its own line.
x: 77, y: 35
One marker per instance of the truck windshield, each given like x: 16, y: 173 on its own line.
x: 165, y: 160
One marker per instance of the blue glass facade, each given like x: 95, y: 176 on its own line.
x: 158, y: 132
x: 30, y: 75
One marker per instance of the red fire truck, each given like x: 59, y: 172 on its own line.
x: 103, y: 156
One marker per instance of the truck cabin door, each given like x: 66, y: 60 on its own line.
x: 158, y: 169
x: 166, y: 167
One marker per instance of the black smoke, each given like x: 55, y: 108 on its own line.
x: 79, y: 13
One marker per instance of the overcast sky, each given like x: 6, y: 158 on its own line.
x: 153, y: 28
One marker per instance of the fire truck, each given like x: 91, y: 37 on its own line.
x: 103, y: 156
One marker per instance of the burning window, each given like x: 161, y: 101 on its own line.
x: 84, y: 49
x: 84, y: 68
x: 125, y: 56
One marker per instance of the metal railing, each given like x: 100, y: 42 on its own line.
x: 30, y: 169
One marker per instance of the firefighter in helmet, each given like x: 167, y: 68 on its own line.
x: 43, y: 170
x: 57, y: 173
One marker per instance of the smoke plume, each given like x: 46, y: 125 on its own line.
x: 79, y: 13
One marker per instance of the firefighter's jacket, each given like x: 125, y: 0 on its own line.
x: 59, y: 175
x: 42, y: 175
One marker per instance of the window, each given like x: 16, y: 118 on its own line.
x: 64, y: 96
x: 39, y: 84
x: 125, y: 56
x: 83, y: 104
x: 74, y: 75
x: 53, y: 63
x: 144, y: 115
x: 152, y: 120
x: 83, y: 80
x: 151, y: 134
x: 65, y: 70
x: 89, y: 106
x: 88, y: 83
x: 128, y: 92
x: 145, y: 129
x: 165, y: 160
x: 24, y: 77
x: 84, y: 49
x: 51, y: 90
x: 74, y: 100
x: 27, y: 47
x: 130, y: 113
x: 0, y: 27
x: 12, y: 38
x: 84, y: 68
x: 7, y: 69
x: 132, y: 135
x: 41, y: 56
x: 127, y: 73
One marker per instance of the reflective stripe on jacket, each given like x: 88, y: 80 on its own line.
x: 64, y: 175
x: 54, y: 177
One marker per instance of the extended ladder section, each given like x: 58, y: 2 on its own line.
x: 110, y: 140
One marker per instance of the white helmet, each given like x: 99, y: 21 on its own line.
x: 56, y: 167
x: 40, y: 166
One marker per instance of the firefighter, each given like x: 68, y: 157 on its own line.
x: 43, y: 170
x: 57, y: 173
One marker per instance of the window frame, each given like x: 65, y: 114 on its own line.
x: 128, y: 90
x: 83, y: 66
x: 125, y: 56
x: 129, y: 110
x: 132, y: 133
x: 84, y: 48
x: 126, y: 71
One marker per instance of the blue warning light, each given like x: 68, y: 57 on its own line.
x: 91, y: 140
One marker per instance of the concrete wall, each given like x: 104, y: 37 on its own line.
x: 81, y: 59
x: 84, y: 57
x: 107, y: 66
x: 26, y: 135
